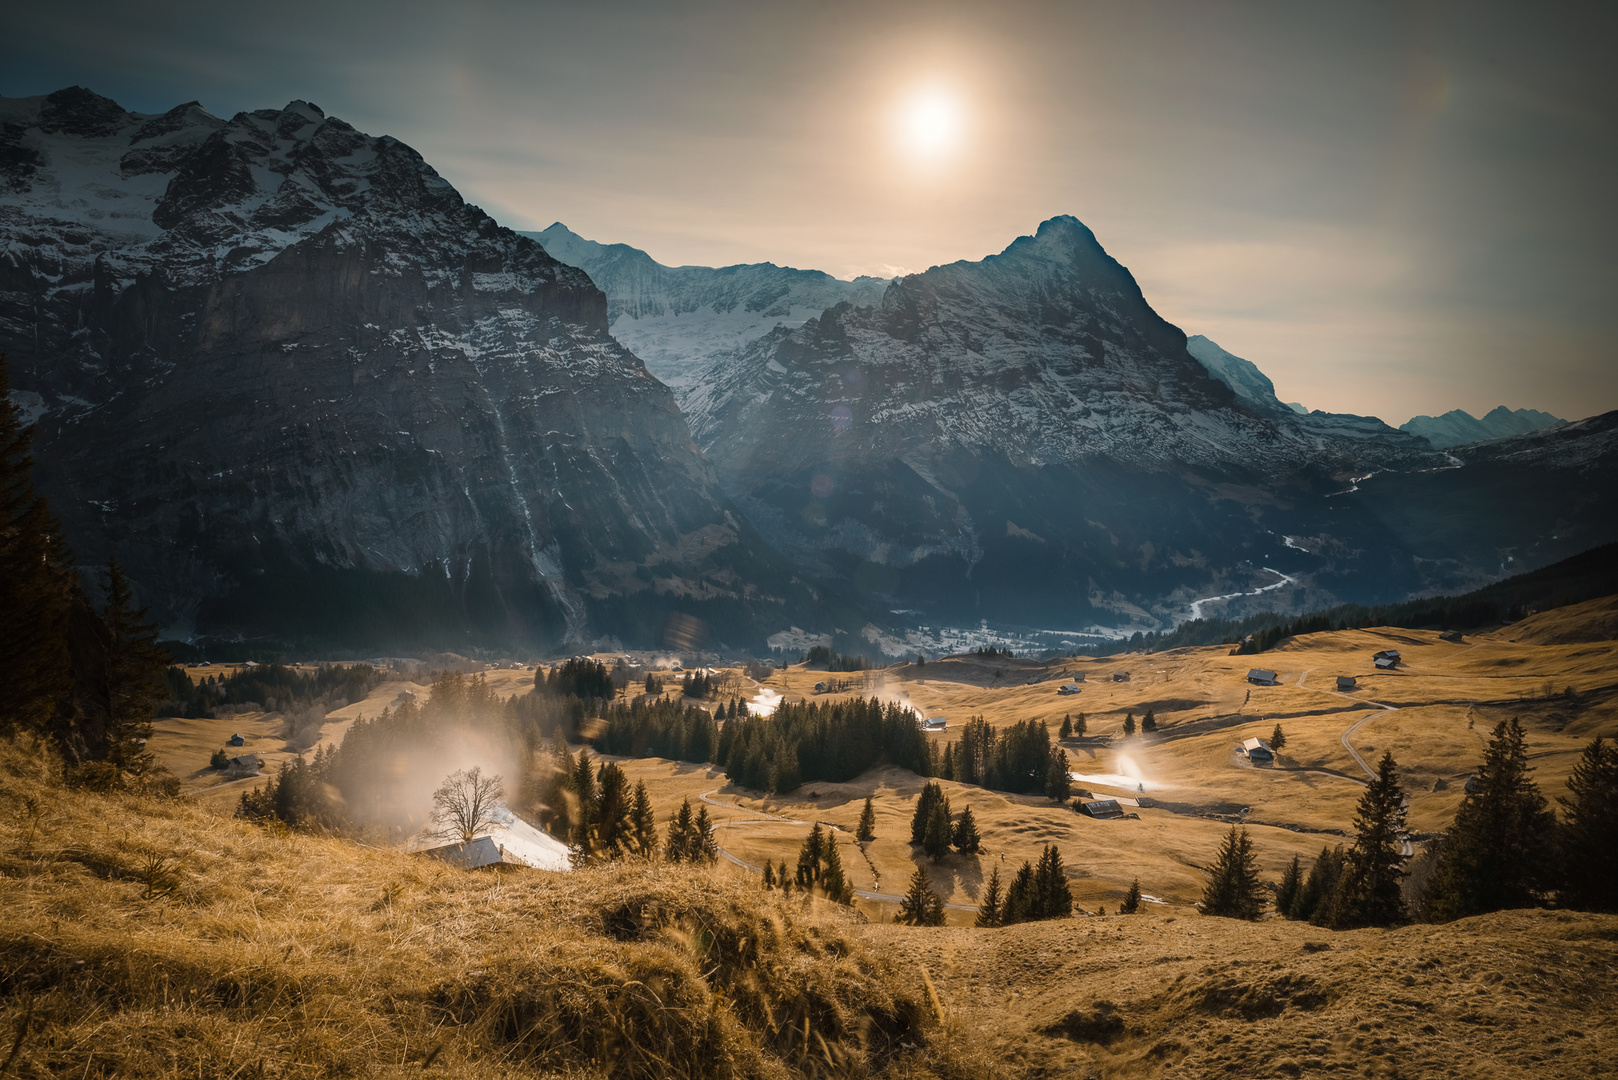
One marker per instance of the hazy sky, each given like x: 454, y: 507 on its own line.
x: 1390, y: 208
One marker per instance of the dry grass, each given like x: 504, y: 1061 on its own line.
x: 148, y: 938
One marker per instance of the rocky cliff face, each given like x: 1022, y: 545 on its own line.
x: 302, y: 388
x: 676, y: 318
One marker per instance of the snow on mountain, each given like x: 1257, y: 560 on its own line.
x: 676, y: 318
x: 1459, y: 427
x: 303, y: 388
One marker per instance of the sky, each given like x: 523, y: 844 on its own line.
x: 1391, y: 208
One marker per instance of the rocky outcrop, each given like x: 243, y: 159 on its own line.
x: 304, y: 389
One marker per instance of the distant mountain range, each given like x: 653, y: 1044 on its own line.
x: 309, y: 395
x: 1459, y: 427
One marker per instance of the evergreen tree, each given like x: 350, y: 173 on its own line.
x: 810, y: 856
x: 1291, y: 883
x: 769, y: 874
x: 1368, y: 892
x: 965, y: 834
x: 707, y: 848
x: 1079, y: 726
x: 865, y: 832
x: 38, y: 590
x: 947, y: 772
x: 1311, y: 901
x: 1129, y: 724
x: 652, y: 685
x: 1020, y: 902
x: 1054, y: 899
x: 1066, y: 731
x: 931, y: 796
x: 1495, y: 855
x: 135, y: 674
x: 989, y: 910
x: 921, y: 906
x: 681, y: 845
x: 1589, y: 833
x: 1131, y: 903
x: 644, y: 824
x: 832, y: 879
x: 614, y: 828
x: 940, y: 831
x: 584, y: 794
x: 1149, y: 721
x: 1278, y: 739
x: 1232, y: 889
x: 1058, y: 782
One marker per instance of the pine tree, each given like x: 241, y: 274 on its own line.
x: 832, y: 879
x: 989, y: 910
x: 1020, y: 900
x: 1129, y: 724
x: 652, y: 685
x: 1066, y: 731
x: 38, y: 590
x: 935, y: 842
x: 1058, y: 781
x: 1278, y: 739
x: 947, y: 770
x: 769, y: 874
x: 1079, y: 726
x: 1054, y: 897
x: 965, y: 834
x: 1368, y: 892
x: 1321, y: 885
x: 921, y: 906
x: 1131, y: 903
x: 584, y: 792
x: 707, y: 848
x: 135, y: 679
x: 1233, y: 883
x: 1287, y: 892
x: 614, y: 829
x: 1588, y: 840
x: 644, y: 824
x: 810, y: 856
x: 1149, y: 721
x: 1495, y: 855
x: 931, y: 795
x: 865, y: 832
x: 680, y: 846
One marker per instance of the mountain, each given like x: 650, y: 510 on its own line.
x: 1458, y: 427
x: 677, y: 317
x: 303, y: 390
x: 1024, y: 440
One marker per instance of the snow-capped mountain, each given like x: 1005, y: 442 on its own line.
x: 300, y: 386
x: 1459, y: 427
x: 677, y: 318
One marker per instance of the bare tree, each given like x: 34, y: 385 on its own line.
x: 464, y: 804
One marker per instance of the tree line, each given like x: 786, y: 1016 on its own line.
x: 1505, y: 849
x: 87, y: 679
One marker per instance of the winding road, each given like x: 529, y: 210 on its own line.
x: 1407, y: 849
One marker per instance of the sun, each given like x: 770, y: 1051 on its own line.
x: 930, y: 122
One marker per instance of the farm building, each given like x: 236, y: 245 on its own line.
x: 236, y: 740
x: 1120, y: 676
x: 1347, y: 682
x: 1386, y: 663
x: 1258, y: 751
x: 1261, y: 676
x: 1101, y: 809
x: 246, y: 765
x: 1450, y: 635
x: 1068, y: 688
x: 510, y: 841
x: 1078, y: 676
x: 934, y: 723
x: 470, y: 855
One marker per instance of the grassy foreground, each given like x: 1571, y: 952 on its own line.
x: 152, y: 938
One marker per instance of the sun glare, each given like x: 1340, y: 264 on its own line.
x: 930, y: 122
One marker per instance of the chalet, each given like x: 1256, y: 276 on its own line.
x: 1101, y: 809
x: 1386, y: 663
x: 1258, y: 751
x: 1450, y: 635
x: 1347, y: 682
x: 1078, y: 676
x: 1261, y: 676
x: 820, y: 688
x: 236, y: 740
x: 246, y: 765
x: 1386, y: 654
x: 934, y: 723
x: 1068, y: 688
x: 469, y: 855
x: 1120, y: 676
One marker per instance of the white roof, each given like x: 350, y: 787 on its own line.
x: 1250, y: 745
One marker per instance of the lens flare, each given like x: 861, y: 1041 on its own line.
x: 931, y: 121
